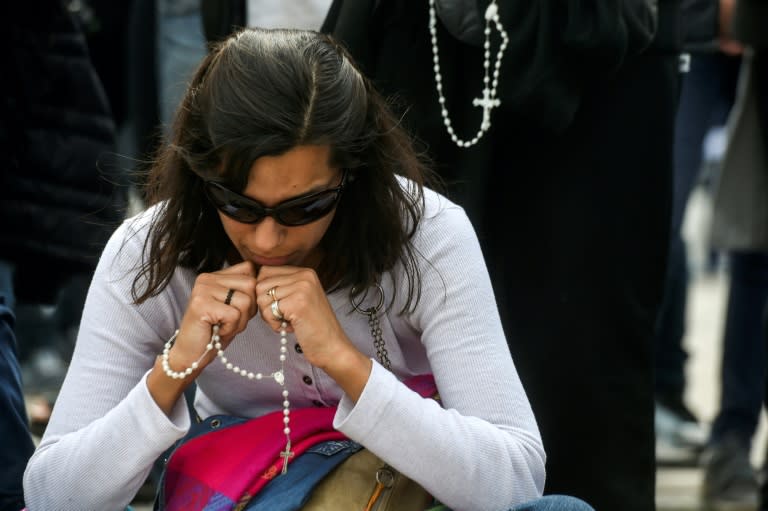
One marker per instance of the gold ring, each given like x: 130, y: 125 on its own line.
x: 276, y: 312
x: 272, y: 293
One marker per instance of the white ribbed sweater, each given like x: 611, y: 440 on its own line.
x: 480, y: 451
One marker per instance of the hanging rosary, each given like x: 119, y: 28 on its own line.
x: 489, y: 100
x: 278, y: 376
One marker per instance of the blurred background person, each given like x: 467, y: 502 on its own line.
x: 60, y: 194
x: 740, y: 226
x: 17, y: 441
x: 707, y: 93
x: 73, y: 206
x: 570, y: 190
x: 221, y: 16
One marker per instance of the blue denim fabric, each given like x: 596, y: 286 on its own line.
x: 708, y: 91
x: 546, y: 503
x: 14, y: 431
x: 554, y: 503
x: 180, y: 48
x: 290, y: 491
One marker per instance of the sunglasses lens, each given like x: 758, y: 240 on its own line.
x: 309, y: 210
x: 233, y: 205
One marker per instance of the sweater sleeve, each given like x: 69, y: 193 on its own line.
x: 106, y: 431
x: 482, y: 449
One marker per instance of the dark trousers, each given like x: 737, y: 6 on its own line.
x: 743, y: 365
x: 707, y: 94
x: 744, y: 353
x: 16, y: 442
x: 577, y: 250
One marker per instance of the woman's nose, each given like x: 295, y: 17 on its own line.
x: 265, y: 236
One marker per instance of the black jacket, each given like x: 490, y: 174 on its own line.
x: 555, y: 48
x: 58, y: 196
x: 700, y: 25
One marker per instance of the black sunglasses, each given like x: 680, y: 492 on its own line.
x: 297, y: 211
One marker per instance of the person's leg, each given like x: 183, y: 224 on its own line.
x: 700, y: 93
x: 707, y: 91
x: 729, y: 478
x: 17, y: 442
x: 181, y: 46
x: 743, y: 364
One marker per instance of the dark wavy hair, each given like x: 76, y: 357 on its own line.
x: 261, y: 93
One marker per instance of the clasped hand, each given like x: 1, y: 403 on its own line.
x: 302, y: 302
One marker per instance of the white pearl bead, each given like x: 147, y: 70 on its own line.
x: 492, y: 11
x: 287, y: 431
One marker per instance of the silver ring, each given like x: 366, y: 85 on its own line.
x: 228, y: 299
x: 272, y: 293
x: 276, y: 312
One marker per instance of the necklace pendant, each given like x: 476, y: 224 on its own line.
x: 486, y: 102
x: 279, y: 377
x: 286, y: 455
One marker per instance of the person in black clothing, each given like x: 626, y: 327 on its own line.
x: 570, y: 191
x: 749, y: 23
x: 59, y: 199
x: 707, y: 93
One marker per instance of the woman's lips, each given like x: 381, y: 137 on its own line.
x: 270, y: 261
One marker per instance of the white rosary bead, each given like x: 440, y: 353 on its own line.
x: 178, y: 375
x: 489, y: 100
x: 215, y: 344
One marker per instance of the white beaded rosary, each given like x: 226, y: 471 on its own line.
x: 489, y: 101
x: 278, y: 376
